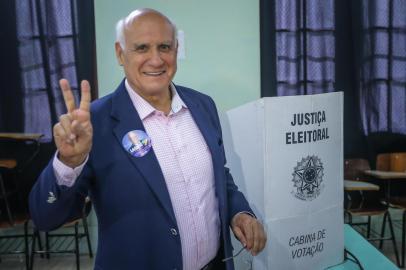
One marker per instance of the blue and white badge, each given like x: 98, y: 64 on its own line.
x: 137, y: 143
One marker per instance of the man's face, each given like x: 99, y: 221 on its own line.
x: 149, y: 56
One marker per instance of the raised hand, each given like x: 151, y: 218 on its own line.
x: 74, y: 132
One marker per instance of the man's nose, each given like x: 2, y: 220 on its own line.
x: 155, y: 58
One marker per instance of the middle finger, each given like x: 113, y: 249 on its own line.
x: 67, y: 95
x: 85, y: 99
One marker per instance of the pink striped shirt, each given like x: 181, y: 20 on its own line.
x: 187, y: 166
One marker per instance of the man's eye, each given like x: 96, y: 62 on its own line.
x: 141, y: 48
x: 164, y: 47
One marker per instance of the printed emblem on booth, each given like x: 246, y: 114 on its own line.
x: 137, y: 143
x: 308, y: 178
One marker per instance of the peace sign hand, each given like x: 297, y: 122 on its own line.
x: 74, y: 132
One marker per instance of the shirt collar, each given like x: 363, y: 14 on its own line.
x: 144, y: 109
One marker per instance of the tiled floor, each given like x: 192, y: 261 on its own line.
x: 67, y: 262
x: 57, y: 262
x: 388, y: 249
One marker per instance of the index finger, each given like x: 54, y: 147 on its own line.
x: 85, y: 99
x: 67, y: 95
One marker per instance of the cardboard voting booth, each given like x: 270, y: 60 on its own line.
x: 286, y: 155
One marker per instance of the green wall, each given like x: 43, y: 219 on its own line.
x: 221, y: 41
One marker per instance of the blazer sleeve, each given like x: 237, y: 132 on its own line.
x: 52, y: 205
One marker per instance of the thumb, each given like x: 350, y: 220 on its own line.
x: 240, y: 235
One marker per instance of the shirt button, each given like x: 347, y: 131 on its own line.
x: 174, y: 231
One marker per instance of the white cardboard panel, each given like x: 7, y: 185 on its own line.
x: 294, y: 184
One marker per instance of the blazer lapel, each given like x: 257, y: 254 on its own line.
x: 127, y: 119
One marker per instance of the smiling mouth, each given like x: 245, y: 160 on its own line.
x: 154, y: 74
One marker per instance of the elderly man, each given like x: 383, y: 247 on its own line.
x: 166, y: 201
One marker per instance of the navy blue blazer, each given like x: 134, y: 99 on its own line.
x: 129, y: 194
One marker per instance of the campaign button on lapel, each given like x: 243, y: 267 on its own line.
x: 137, y: 143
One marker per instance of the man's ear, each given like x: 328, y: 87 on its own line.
x: 176, y: 47
x: 119, y: 53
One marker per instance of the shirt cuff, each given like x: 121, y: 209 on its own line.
x: 65, y: 175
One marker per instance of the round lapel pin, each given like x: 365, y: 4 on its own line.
x: 137, y: 143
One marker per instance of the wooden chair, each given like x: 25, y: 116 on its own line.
x: 395, y: 162
x: 354, y: 169
x: 383, y: 162
x: 13, y: 206
x: 5, y: 194
x: 57, y: 247
x: 398, y: 162
x: 366, y: 203
x: 9, y: 243
x: 16, y: 243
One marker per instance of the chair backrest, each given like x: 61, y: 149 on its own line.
x: 383, y: 162
x: 8, y: 163
x: 398, y: 162
x: 395, y: 162
x: 354, y: 169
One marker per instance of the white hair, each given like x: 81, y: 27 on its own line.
x: 127, y: 21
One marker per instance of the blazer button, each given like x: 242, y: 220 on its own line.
x: 174, y: 231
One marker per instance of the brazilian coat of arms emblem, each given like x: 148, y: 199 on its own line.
x: 308, y: 178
